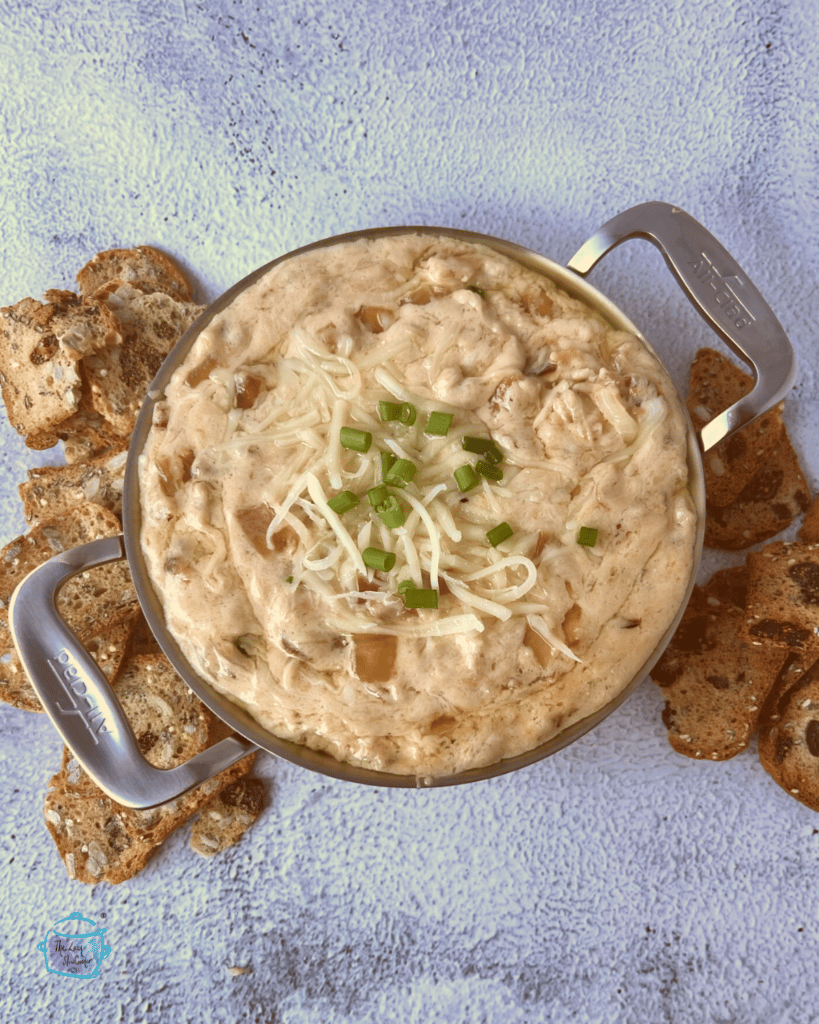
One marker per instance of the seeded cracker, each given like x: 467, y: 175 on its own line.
x: 99, y: 839
x: 143, y: 267
x: 789, y: 731
x: 713, y: 682
x: 120, y: 374
x: 715, y: 384
x: 107, y: 649
x: 783, y: 596
x: 92, y: 602
x: 55, y: 490
x: 774, y: 496
x: 41, y: 345
x: 226, y: 817
x: 810, y: 524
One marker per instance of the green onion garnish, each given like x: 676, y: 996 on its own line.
x: 405, y: 585
x: 439, y: 423
x: 484, y: 446
x: 387, y: 459
x: 416, y: 597
x: 404, y: 412
x: 498, y: 534
x: 478, y: 291
x: 375, y: 558
x: 391, y: 513
x: 587, y: 536
x: 389, y: 411
x: 488, y: 470
x: 377, y: 495
x: 355, y: 439
x: 343, y: 502
x: 407, y: 414
x: 466, y: 477
x: 400, y: 473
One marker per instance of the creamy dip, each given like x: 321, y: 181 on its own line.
x: 264, y: 585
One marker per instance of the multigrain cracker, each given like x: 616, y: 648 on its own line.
x: 769, y: 502
x: 783, y: 597
x: 55, y: 490
x: 715, y: 384
x: 41, y: 345
x: 91, y: 602
x: 714, y: 683
x: 142, y: 267
x: 227, y: 816
x: 120, y: 374
x: 99, y: 839
x: 107, y: 649
x: 809, y: 531
x: 789, y: 731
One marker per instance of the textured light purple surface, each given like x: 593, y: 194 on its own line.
x: 616, y: 881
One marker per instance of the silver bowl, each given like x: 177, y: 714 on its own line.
x: 78, y: 698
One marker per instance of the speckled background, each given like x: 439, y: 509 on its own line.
x: 616, y: 881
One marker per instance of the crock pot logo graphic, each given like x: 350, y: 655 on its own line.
x: 74, y: 947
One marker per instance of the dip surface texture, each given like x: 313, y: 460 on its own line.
x: 264, y: 585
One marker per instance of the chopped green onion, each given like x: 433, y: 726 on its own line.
x: 439, y: 423
x: 407, y: 414
x: 587, y: 536
x: 377, y: 495
x: 416, y: 597
x: 387, y: 459
x: 289, y: 579
x: 484, y: 446
x: 405, y: 585
x: 389, y: 411
x: 343, y: 502
x: 466, y: 477
x: 498, y: 534
x: 401, y: 473
x: 375, y: 558
x: 357, y: 440
x: 391, y: 513
x: 478, y: 291
x: 404, y: 412
x: 488, y: 470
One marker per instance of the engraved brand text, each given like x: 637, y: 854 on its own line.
x: 82, y: 701
x: 724, y: 295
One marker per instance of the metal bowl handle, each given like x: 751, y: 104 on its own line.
x: 79, y: 699
x: 721, y: 292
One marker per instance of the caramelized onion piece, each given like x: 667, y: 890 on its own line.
x: 572, y: 628
x: 248, y: 388
x: 541, y: 650
x: 374, y: 657
x: 375, y: 318
x: 200, y: 372
x: 174, y: 470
